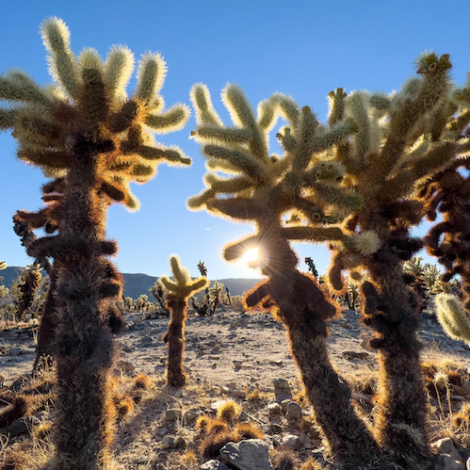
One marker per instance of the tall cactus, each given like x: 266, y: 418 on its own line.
x: 179, y: 292
x: 94, y: 140
x: 448, y: 192
x: 393, y: 150
x: 262, y: 189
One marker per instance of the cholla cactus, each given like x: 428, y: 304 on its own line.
x: 414, y: 273
x: 453, y: 317
x: 30, y: 279
x: 448, y: 192
x: 158, y: 291
x: 215, y: 292
x: 311, y: 266
x: 94, y: 141
x: 128, y: 302
x: 3, y: 265
x: 396, y: 146
x: 179, y: 291
x: 263, y: 189
x: 141, y: 302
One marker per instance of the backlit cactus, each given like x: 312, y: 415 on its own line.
x: 397, y: 145
x: 94, y: 141
x: 180, y: 290
x: 263, y: 188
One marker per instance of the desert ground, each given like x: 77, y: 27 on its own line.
x: 230, y: 356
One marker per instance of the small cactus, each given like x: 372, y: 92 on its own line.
x: 179, y: 292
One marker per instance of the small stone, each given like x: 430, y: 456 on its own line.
x: 147, y: 340
x: 15, y: 351
x: 291, y: 441
x: 168, y: 442
x: 274, y: 409
x: 344, y: 325
x: 355, y: 355
x: 162, y: 431
x: 238, y: 394
x: 238, y: 364
x: 251, y: 454
x: 217, y: 404
x: 293, y: 412
x: 21, y: 426
x: 282, y: 390
x: 243, y: 416
x: 232, y: 384
x: 28, y: 351
x: 213, y: 465
x: 214, y: 358
x: 272, y: 429
x: 180, y: 443
x: 364, y: 344
x: 444, y: 446
x: 173, y: 415
x: 125, y: 366
x: 190, y: 415
x: 281, y: 383
x: 278, y: 362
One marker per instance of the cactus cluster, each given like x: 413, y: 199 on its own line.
x: 359, y: 183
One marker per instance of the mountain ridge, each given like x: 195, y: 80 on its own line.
x: 136, y: 284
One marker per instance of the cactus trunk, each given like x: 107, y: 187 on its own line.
x: 175, y: 338
x: 304, y: 310
x: 48, y: 326
x: 402, y: 406
x: 84, y: 417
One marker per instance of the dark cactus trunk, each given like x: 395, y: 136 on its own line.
x: 48, y: 325
x: 303, y: 309
x: 84, y: 417
x: 175, y: 340
x: 401, y: 420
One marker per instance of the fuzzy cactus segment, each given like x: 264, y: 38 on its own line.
x: 180, y: 290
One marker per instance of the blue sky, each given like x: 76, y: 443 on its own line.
x: 300, y: 48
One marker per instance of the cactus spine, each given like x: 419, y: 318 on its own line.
x: 179, y: 292
x: 94, y: 141
x: 261, y: 189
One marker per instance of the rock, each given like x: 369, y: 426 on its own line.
x: 281, y: 383
x: 237, y: 364
x: 272, y: 429
x: 15, y: 351
x: 448, y: 462
x: 21, y: 426
x: 284, y: 404
x: 180, y: 443
x: 238, y: 394
x: 213, y: 358
x: 125, y: 366
x: 168, y: 442
x: 274, y: 409
x: 213, y: 465
x: 293, y: 412
x: 190, y: 415
x: 364, y: 344
x: 243, y: 416
x: 278, y: 362
x: 282, y: 390
x: 355, y: 355
x: 147, y: 340
x: 162, y: 431
x: 251, y: 454
x: 291, y: 441
x: 173, y: 415
x: 448, y: 458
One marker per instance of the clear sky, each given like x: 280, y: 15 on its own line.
x: 300, y: 48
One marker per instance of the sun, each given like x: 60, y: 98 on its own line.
x: 250, y: 255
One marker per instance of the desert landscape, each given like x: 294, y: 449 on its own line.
x: 237, y: 357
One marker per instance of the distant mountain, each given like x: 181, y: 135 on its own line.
x: 138, y: 284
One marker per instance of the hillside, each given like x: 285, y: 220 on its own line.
x: 138, y: 284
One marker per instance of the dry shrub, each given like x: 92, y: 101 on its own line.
x: 202, y: 424
x: 211, y: 445
x: 311, y: 464
x: 216, y: 426
x: 229, y: 411
x: 190, y: 460
x: 245, y: 431
x: 461, y: 421
x: 125, y: 406
x: 42, y: 431
x: 285, y: 460
x: 143, y: 382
